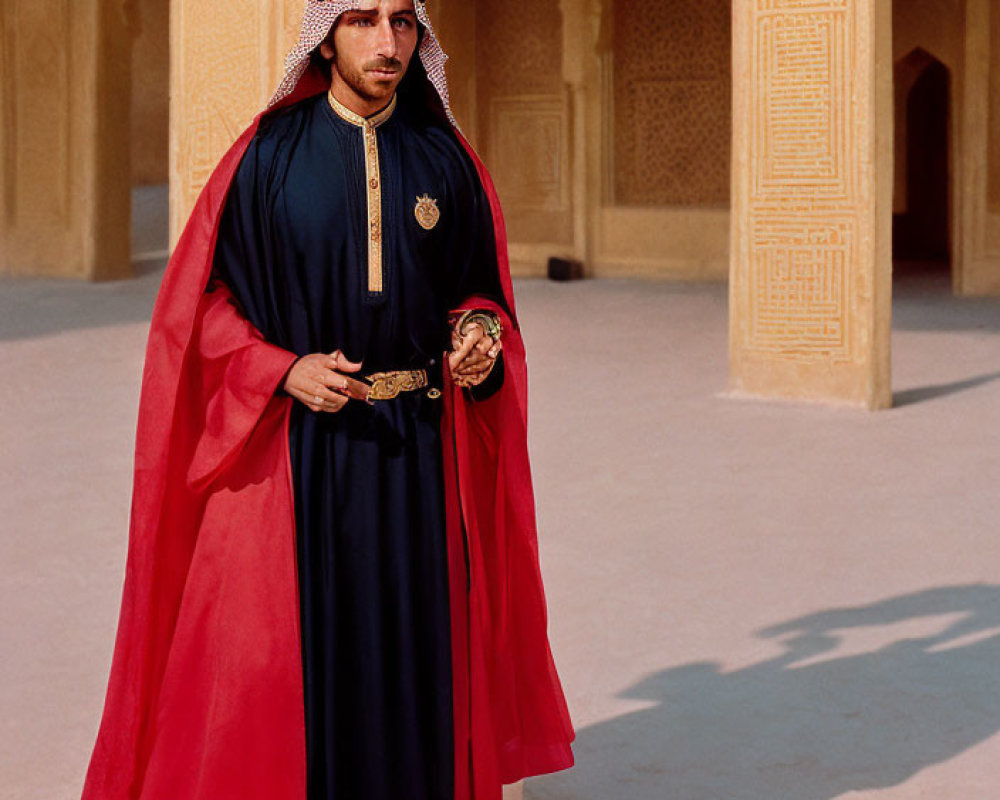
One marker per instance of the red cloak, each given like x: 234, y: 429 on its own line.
x: 205, y: 697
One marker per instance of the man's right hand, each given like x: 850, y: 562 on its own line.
x: 321, y: 382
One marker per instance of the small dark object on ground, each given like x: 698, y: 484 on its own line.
x: 565, y: 269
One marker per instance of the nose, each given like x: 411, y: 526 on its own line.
x: 387, y: 46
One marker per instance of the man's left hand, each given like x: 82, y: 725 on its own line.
x: 473, y: 356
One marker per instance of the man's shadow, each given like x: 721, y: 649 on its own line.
x: 809, y: 724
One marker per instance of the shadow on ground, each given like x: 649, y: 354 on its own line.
x: 32, y: 307
x: 923, y: 300
x: 808, y: 724
x: 924, y: 394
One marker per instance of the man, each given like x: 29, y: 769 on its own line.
x: 333, y: 589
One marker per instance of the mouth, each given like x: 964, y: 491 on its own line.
x: 384, y: 74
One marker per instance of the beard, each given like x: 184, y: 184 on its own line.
x: 366, y: 87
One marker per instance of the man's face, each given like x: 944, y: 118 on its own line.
x: 372, y: 48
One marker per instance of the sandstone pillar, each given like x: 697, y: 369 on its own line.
x: 584, y: 57
x: 810, y: 283
x: 978, y: 207
x: 455, y: 24
x: 226, y: 59
x: 64, y: 138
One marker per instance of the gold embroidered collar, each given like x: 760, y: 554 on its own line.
x: 347, y: 115
x: 373, y: 184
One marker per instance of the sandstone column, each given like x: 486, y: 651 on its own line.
x: 810, y: 284
x: 455, y: 24
x: 64, y: 138
x: 978, y: 208
x: 226, y: 58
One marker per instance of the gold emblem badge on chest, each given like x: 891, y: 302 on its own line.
x: 427, y: 212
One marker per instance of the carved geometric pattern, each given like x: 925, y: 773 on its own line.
x: 802, y: 267
x: 672, y: 80
x: 801, y: 140
x: 519, y: 47
x: 800, y: 285
x: 678, y: 154
x: 528, y: 144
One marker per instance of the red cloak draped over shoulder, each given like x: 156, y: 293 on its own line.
x: 205, y: 697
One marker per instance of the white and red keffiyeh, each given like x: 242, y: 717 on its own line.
x: 318, y: 20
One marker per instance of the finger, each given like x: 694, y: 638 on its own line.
x: 338, y: 383
x: 477, y: 357
x: 467, y: 368
x: 474, y: 369
x: 333, y: 381
x: 479, y: 369
x: 495, y: 350
x: 474, y: 329
x: 309, y: 401
x: 333, y: 406
x: 470, y: 382
x: 322, y: 394
x: 475, y: 361
x: 474, y: 375
x: 467, y: 344
x: 485, y: 344
x: 343, y: 364
x: 355, y: 389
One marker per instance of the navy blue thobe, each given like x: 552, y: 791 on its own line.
x: 294, y: 248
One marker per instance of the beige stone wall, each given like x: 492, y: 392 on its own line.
x: 64, y: 126
x: 455, y: 25
x: 993, y: 145
x: 810, y: 288
x: 937, y: 26
x: 965, y: 36
x: 662, y: 136
x: 523, y: 116
x: 979, y: 160
x: 151, y: 92
x: 227, y: 58
x: 672, y: 102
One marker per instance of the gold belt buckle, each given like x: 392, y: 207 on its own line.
x: 389, y: 385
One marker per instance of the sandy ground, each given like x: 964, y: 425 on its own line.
x: 749, y: 601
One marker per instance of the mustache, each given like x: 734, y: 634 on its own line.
x: 392, y: 64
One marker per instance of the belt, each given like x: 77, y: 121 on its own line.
x: 388, y: 385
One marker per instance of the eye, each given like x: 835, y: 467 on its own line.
x: 360, y: 22
x: 402, y: 23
